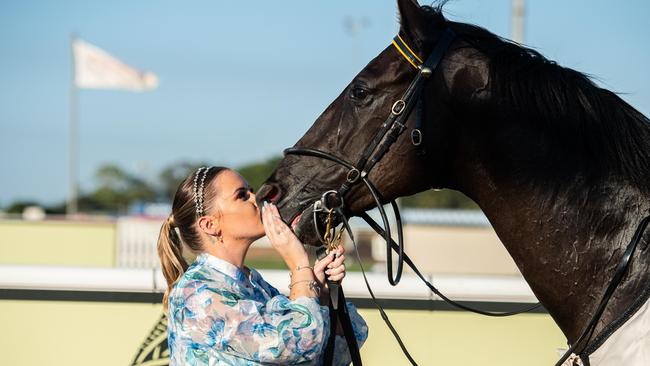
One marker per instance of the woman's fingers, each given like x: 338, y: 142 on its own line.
x: 280, y: 226
x: 336, y: 270
x: 340, y: 250
x: 270, y: 226
x: 337, y: 262
x: 322, y: 263
x: 266, y: 219
x: 337, y: 277
x: 277, y: 231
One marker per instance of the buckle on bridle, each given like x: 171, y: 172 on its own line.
x: 398, y: 107
x: 416, y: 137
x: 353, y: 176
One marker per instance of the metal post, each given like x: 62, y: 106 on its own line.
x: 71, y: 207
x: 518, y: 14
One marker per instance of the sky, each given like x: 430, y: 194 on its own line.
x: 240, y: 80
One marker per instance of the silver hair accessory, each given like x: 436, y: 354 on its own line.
x: 198, y: 189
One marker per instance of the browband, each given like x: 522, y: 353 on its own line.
x: 407, y: 52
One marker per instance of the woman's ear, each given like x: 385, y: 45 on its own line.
x: 209, y: 225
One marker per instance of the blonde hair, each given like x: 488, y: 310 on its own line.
x: 179, y: 230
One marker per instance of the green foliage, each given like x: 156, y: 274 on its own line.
x: 172, y: 176
x: 256, y: 173
x: 117, y: 189
x: 18, y: 206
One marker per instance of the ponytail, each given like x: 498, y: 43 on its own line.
x: 179, y: 241
x: 170, y: 251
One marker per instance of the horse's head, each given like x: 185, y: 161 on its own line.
x: 348, y: 126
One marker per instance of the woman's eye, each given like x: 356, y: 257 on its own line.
x: 358, y: 93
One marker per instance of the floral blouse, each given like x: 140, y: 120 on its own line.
x: 218, y: 316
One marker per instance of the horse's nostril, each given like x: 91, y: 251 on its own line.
x: 269, y: 192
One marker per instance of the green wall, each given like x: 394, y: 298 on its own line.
x: 109, y: 334
x: 57, y: 243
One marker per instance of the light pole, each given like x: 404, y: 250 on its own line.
x: 517, y: 20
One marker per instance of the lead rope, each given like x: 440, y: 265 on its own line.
x: 383, y: 314
x: 337, y: 304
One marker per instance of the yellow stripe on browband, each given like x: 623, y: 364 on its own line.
x: 404, y: 54
x: 409, y: 48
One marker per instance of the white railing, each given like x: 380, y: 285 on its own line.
x: 475, y: 288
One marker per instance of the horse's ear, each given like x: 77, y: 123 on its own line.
x: 413, y: 20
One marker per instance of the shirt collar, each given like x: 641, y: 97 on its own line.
x: 221, y: 265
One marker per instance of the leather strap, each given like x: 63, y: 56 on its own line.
x: 339, y: 313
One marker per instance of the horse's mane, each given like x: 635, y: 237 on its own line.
x: 584, y: 130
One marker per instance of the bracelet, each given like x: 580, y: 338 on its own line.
x: 298, y: 268
x: 313, y: 285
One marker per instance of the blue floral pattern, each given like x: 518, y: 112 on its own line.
x: 218, y: 316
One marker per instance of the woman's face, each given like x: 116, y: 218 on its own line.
x: 238, y: 214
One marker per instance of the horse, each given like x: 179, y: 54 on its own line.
x: 559, y: 165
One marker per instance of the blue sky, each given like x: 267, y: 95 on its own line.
x: 239, y: 81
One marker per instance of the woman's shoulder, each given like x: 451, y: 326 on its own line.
x: 197, y: 280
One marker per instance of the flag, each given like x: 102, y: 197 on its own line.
x: 97, y: 69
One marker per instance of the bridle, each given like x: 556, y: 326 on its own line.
x: 387, y: 135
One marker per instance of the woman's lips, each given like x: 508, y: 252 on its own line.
x: 295, y: 221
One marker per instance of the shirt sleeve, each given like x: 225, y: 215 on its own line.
x: 278, y: 331
x: 341, y: 352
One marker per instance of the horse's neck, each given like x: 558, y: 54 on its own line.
x: 567, y: 248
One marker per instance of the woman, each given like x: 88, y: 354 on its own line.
x: 224, y: 313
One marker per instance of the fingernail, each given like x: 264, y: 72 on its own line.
x: 328, y: 271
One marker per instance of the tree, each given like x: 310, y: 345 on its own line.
x: 172, y: 176
x: 118, y: 189
x: 19, y: 206
x: 257, y: 173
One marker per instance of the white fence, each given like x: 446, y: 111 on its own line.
x: 471, y: 288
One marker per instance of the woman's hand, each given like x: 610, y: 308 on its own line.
x: 283, y: 240
x: 330, y: 268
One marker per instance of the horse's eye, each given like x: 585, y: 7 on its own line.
x: 358, y: 93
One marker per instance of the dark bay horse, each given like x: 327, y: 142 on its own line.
x: 560, y: 166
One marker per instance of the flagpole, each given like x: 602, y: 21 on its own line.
x: 71, y: 207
